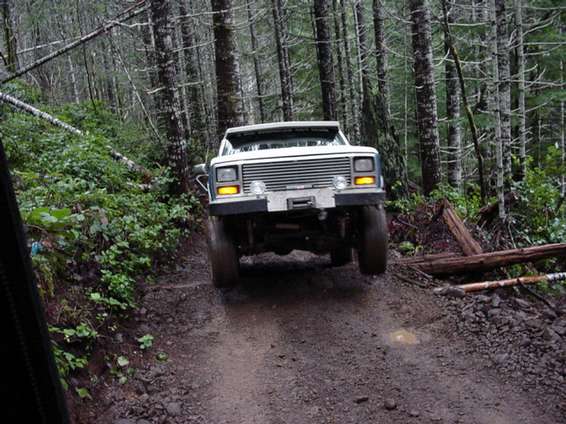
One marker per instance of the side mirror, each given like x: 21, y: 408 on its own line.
x: 200, y: 169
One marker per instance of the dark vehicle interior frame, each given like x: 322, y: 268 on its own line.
x: 30, y: 390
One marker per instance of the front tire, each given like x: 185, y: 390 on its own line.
x: 222, y: 254
x: 372, y: 248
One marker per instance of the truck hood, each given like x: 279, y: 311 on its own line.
x: 293, y: 152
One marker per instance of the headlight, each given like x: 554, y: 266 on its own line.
x: 340, y: 182
x: 257, y: 187
x: 363, y: 164
x: 228, y: 173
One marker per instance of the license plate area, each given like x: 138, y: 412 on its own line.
x: 307, y: 202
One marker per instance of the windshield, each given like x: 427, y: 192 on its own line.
x: 238, y: 143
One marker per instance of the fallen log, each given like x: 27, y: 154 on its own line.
x: 458, y: 229
x: 484, y: 285
x: 24, y: 107
x: 127, y: 14
x: 491, y: 260
x: 411, y: 260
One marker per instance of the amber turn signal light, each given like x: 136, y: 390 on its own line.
x: 224, y: 190
x: 364, y: 180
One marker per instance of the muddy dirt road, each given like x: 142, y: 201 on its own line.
x: 300, y: 342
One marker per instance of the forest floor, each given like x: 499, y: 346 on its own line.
x: 300, y: 342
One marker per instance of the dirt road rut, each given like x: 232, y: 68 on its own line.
x: 300, y: 342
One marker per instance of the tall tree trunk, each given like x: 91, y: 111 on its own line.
x: 521, y: 89
x: 197, y: 120
x: 369, y: 118
x: 107, y: 75
x: 341, y: 109
x: 449, y: 43
x: 357, y: 50
x: 170, y: 117
x: 150, y: 58
x: 325, y: 63
x: 496, y: 106
x: 73, y: 77
x: 251, y: 9
x: 426, y: 95
x: 562, y: 135
x: 504, y: 83
x: 283, y: 60
x: 394, y: 163
x: 11, y: 57
x: 354, y: 128
x: 381, y: 54
x: 227, y: 63
x: 363, y: 52
x: 452, y: 112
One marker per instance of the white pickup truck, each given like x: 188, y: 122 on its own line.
x: 293, y: 185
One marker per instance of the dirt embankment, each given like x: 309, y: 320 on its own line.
x: 299, y: 342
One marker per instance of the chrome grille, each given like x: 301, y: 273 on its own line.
x: 308, y: 173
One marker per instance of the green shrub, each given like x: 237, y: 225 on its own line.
x: 94, y: 231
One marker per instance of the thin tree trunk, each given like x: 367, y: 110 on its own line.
x: 394, y: 163
x: 357, y: 49
x: 363, y: 52
x: 197, y: 119
x: 426, y: 95
x: 341, y: 99
x: 504, y: 83
x: 381, y: 54
x: 170, y: 117
x: 9, y: 36
x: 562, y: 139
x: 251, y: 9
x: 136, y: 92
x: 108, y: 76
x: 354, y: 128
x: 89, y: 78
x: 369, y: 119
x: 471, y: 121
x: 73, y: 76
x: 283, y: 60
x: 499, y: 145
x: 452, y: 109
x: 24, y: 107
x: 229, y: 101
x: 521, y: 89
x: 122, y: 17
x: 325, y: 62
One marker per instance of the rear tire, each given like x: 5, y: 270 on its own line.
x: 222, y: 254
x: 341, y: 256
x: 372, y: 249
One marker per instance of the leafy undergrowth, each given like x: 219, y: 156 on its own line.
x: 95, y: 232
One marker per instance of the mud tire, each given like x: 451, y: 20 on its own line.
x: 372, y: 248
x: 222, y: 255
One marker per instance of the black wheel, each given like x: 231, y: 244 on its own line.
x: 222, y: 255
x: 341, y: 256
x: 372, y: 249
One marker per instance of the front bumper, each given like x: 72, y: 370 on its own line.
x: 323, y: 199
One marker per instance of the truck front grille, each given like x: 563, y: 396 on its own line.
x: 296, y: 174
